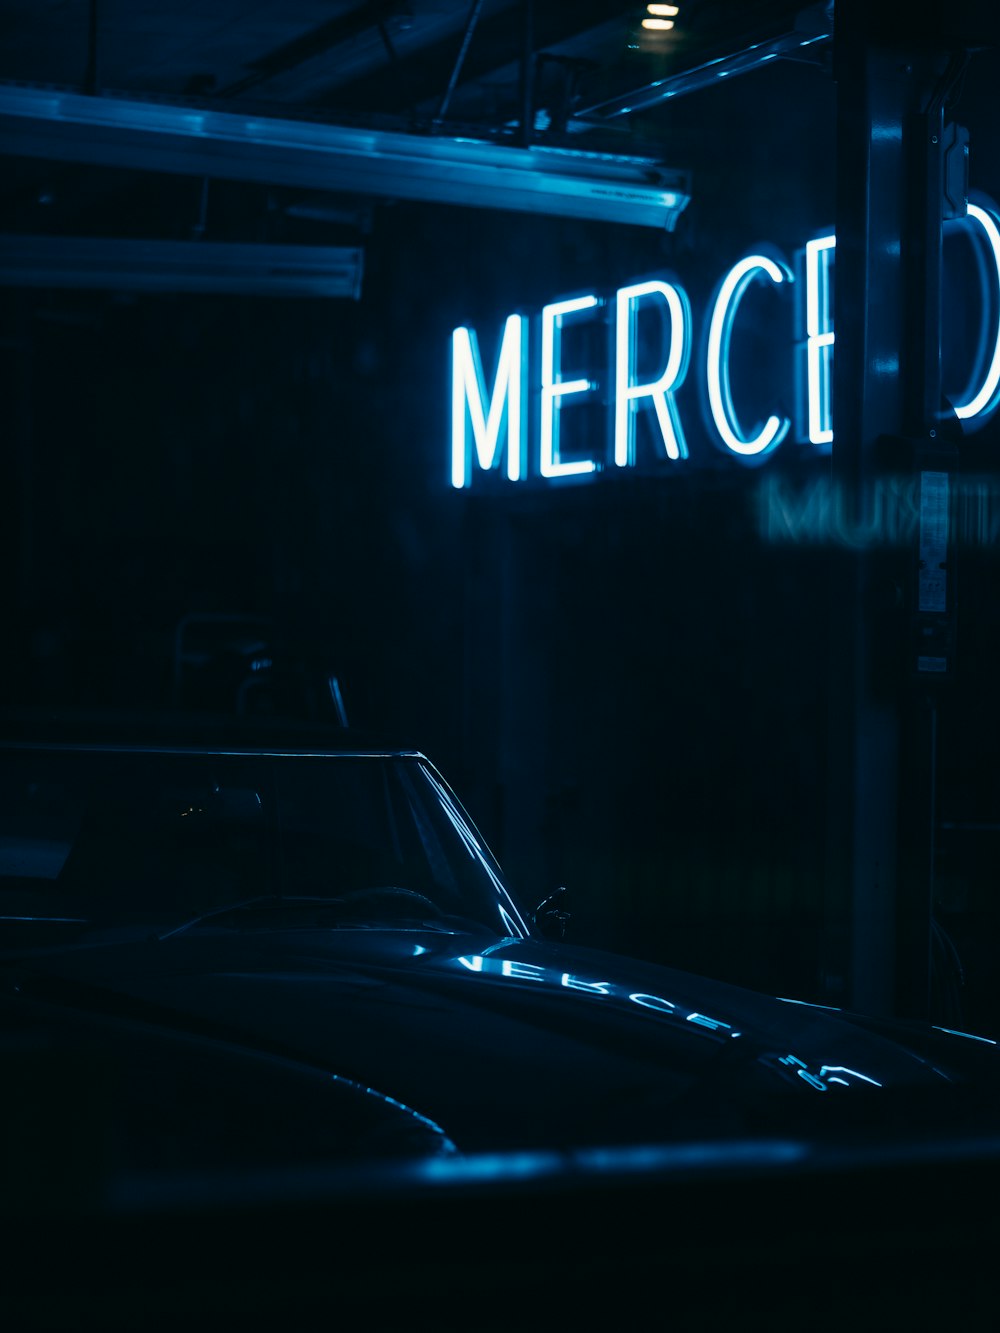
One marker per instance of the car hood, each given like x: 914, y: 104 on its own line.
x: 523, y: 1043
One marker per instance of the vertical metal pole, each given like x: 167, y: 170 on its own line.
x: 920, y: 357
x: 886, y: 388
x: 872, y: 92
x: 91, y: 79
x: 861, y: 870
x: 19, y: 386
x: 528, y: 76
x: 470, y: 27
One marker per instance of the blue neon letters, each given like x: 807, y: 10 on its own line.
x: 490, y: 428
x: 985, y: 400
x: 659, y: 391
x: 468, y: 390
x: 721, y: 406
x: 819, y: 339
x: 555, y: 389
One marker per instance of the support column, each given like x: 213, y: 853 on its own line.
x: 886, y: 391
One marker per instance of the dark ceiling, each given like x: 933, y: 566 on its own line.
x: 539, y: 74
x: 419, y: 61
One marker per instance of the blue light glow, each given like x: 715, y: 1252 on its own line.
x: 58, y: 920
x: 852, y: 1073
x: 828, y: 1074
x: 985, y: 400
x: 653, y: 1002
x: 512, y: 969
x: 527, y: 971
x: 468, y: 396
x: 555, y: 389
x: 492, y: 1166
x: 458, y: 824
x: 970, y: 1036
x: 652, y: 341
x: 819, y: 339
x: 595, y: 987
x: 791, y: 1060
x: 698, y: 1156
x: 629, y: 395
x: 704, y: 1021
x: 735, y: 283
x: 444, y: 1142
x: 802, y: 1070
x: 812, y: 1080
x: 509, y: 922
x: 511, y: 917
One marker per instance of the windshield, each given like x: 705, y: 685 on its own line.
x: 166, y: 839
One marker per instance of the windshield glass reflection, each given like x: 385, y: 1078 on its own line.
x: 174, y: 839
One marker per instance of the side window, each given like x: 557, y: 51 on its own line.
x: 40, y: 817
x: 133, y: 837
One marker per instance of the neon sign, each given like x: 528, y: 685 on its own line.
x: 819, y: 338
x: 468, y: 391
x: 723, y: 412
x: 554, y: 390
x: 659, y: 391
x: 492, y: 429
x: 985, y: 399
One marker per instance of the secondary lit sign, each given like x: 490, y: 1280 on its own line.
x: 519, y: 971
x: 792, y: 1069
x: 494, y: 430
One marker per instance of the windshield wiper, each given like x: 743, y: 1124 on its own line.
x: 262, y: 902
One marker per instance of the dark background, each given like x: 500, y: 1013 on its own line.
x: 628, y: 684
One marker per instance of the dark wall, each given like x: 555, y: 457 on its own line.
x: 625, y: 679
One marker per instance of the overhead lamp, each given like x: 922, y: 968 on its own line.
x: 183, y: 139
x: 663, y: 11
x: 658, y: 25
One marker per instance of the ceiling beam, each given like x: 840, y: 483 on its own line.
x: 414, y: 82
x: 138, y: 265
x: 183, y: 139
x: 707, y: 75
x: 316, y: 45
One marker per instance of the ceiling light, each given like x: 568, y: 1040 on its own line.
x: 658, y: 25
x: 663, y: 11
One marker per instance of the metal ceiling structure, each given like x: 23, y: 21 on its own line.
x: 161, y: 136
x: 512, y: 104
x: 419, y: 60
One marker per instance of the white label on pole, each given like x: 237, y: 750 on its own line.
x: 933, y: 589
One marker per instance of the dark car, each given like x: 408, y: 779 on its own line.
x: 268, y: 970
